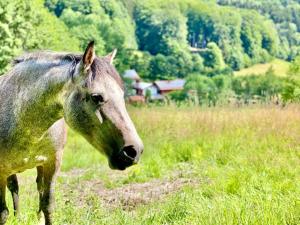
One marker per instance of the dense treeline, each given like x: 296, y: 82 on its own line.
x: 286, y: 16
x: 154, y: 35
x: 223, y: 90
x: 240, y: 90
x: 244, y: 37
x: 157, y: 35
x: 161, y: 39
x: 25, y: 26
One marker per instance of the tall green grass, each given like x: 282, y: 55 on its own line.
x: 246, y: 162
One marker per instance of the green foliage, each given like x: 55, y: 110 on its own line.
x: 221, y: 89
x: 210, y: 90
x: 213, y: 57
x: 264, y: 86
x: 23, y: 27
x: 178, y: 64
x: 258, y: 42
x: 162, y: 67
x: 49, y: 32
x: 241, y: 38
x: 138, y: 60
x: 244, y: 37
x: 84, y: 28
x: 158, y: 28
x: 205, y: 87
x: 121, y: 24
x: 83, y: 6
x: 178, y: 96
x: 14, y: 29
x: 164, y: 39
x: 106, y: 22
x: 284, y: 14
x: 291, y: 90
x: 294, y: 69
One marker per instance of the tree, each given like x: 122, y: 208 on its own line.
x: 14, y: 28
x: 106, y: 22
x: 291, y: 88
x: 205, y: 88
x: 25, y: 26
x: 78, y: 23
x: 159, y: 68
x: 158, y: 29
x: 178, y: 96
x: 281, y: 40
x: 48, y: 31
x: 213, y: 57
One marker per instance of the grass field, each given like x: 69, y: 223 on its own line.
x: 280, y: 68
x: 200, y: 166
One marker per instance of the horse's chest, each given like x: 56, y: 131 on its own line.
x: 15, y: 160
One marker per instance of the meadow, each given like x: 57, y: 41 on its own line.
x: 200, y: 166
x: 279, y: 67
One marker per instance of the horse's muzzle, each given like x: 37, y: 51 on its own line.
x: 127, y: 157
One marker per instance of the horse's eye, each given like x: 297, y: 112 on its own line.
x: 97, y: 99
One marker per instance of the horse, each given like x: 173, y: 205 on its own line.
x: 42, y: 93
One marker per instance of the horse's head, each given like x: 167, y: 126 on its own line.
x: 95, y: 107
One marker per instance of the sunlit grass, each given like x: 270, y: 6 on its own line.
x: 246, y: 162
x: 280, y: 68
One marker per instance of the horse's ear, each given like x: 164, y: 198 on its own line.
x: 89, y: 55
x: 110, y: 57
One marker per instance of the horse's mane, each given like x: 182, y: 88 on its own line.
x: 47, y: 55
x: 100, y: 66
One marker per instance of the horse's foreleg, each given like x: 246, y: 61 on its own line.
x: 3, y: 207
x: 47, y: 198
x: 40, y: 184
x: 12, y: 184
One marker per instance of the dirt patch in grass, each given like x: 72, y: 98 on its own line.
x: 131, y: 195
x: 127, y: 196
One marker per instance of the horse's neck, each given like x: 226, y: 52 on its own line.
x: 35, y: 93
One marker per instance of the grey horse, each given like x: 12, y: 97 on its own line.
x: 40, y: 94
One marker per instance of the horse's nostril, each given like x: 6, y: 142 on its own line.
x: 130, y: 151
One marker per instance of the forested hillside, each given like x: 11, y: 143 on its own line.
x: 28, y: 26
x: 164, y: 31
x: 161, y: 39
x: 286, y: 16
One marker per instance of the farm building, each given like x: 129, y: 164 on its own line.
x: 141, y: 87
x: 158, y: 89
x: 166, y: 86
x: 153, y: 91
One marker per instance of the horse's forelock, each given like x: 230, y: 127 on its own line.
x: 101, y: 67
